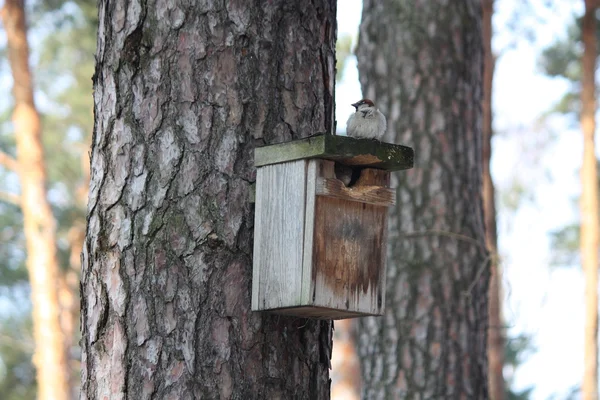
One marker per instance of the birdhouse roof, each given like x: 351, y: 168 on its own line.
x: 345, y: 150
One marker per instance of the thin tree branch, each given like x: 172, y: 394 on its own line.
x: 10, y: 198
x: 492, y: 257
x: 8, y: 162
x: 25, y: 344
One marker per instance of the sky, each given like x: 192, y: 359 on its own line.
x: 541, y: 301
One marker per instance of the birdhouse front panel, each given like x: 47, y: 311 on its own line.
x: 350, y: 246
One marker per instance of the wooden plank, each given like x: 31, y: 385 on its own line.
x: 312, y: 169
x: 279, y: 235
x: 372, y: 186
x: 319, y: 312
x: 348, y: 255
x: 349, y: 250
x: 376, y: 195
x: 346, y: 150
x: 259, y: 237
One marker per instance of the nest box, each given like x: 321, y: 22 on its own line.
x: 320, y: 227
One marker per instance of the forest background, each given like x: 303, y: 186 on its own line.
x: 537, y: 150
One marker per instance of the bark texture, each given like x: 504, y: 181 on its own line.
x: 496, y: 339
x: 589, y: 204
x: 39, y: 225
x: 345, y: 366
x: 421, y: 62
x: 184, y: 91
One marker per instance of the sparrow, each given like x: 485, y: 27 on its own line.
x: 367, y: 122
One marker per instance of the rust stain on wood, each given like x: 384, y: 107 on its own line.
x: 370, y: 194
x: 348, y: 246
x: 349, y: 250
x: 363, y: 159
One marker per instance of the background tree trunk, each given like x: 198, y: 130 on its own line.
x: 184, y: 91
x: 422, y: 65
x: 38, y: 222
x: 496, y: 341
x: 589, y: 204
x: 345, y: 366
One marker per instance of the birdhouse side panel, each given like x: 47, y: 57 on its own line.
x: 279, y: 235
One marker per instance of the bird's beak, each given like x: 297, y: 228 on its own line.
x: 355, y: 105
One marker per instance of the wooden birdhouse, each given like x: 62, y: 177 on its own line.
x: 321, y: 225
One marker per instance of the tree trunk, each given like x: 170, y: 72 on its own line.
x: 183, y: 93
x: 39, y: 224
x: 345, y: 366
x: 589, y: 204
x: 69, y: 282
x: 423, y: 67
x: 496, y: 341
x: 68, y: 295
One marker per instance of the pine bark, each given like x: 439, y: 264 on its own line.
x: 422, y: 65
x: 39, y: 225
x: 589, y: 204
x: 184, y: 91
x: 496, y: 340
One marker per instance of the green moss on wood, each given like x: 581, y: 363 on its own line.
x: 343, y: 149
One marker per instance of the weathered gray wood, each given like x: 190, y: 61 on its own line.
x: 312, y: 170
x: 346, y: 150
x: 259, y: 236
x: 279, y: 235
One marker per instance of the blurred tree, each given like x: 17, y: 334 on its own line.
x: 423, y: 67
x: 343, y: 51
x: 184, y: 91
x: 345, y: 366
x: 563, y: 59
x: 515, y: 351
x: 574, y: 58
x: 66, y: 64
x: 63, y: 58
x: 17, y: 377
x: 496, y: 341
x: 38, y: 221
x: 564, y: 245
x: 590, y: 223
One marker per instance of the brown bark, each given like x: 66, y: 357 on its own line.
x: 38, y: 221
x: 8, y: 162
x: 184, y: 91
x: 68, y: 295
x: 589, y: 204
x: 422, y: 64
x: 345, y: 367
x: 496, y: 341
x: 69, y: 282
